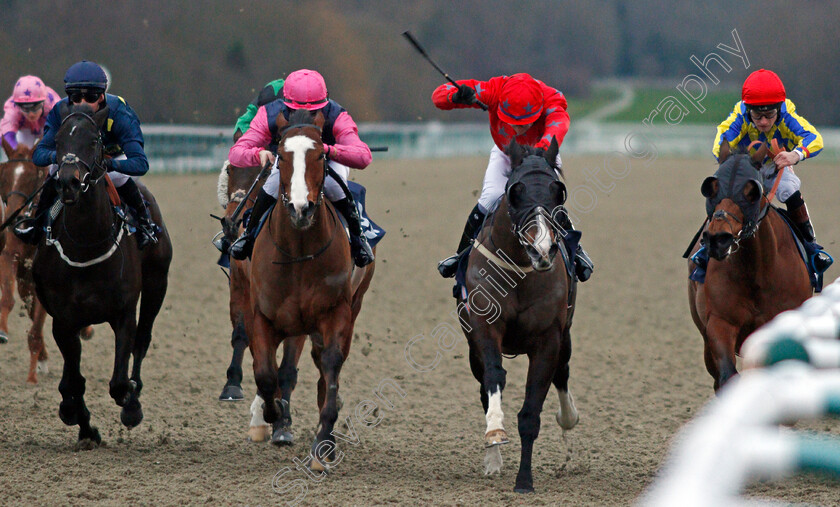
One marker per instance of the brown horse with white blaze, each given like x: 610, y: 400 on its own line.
x: 531, y: 314
x: 303, y: 279
x: 755, y: 270
x: 19, y: 178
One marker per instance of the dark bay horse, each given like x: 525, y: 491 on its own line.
x: 531, y: 313
x: 754, y: 271
x: 89, y: 270
x: 19, y: 178
x: 303, y: 281
x: 232, y: 188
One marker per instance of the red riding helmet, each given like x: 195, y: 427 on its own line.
x: 521, y: 100
x: 763, y: 88
x: 305, y: 89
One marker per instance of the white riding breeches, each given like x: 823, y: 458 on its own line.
x: 118, y: 179
x: 788, y: 186
x: 26, y: 137
x: 332, y: 190
x: 495, y: 179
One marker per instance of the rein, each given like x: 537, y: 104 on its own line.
x: 308, y: 257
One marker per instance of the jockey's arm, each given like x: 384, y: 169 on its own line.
x: 442, y: 96
x: 808, y: 140
x: 245, y: 151
x: 729, y: 130
x: 127, y: 131
x: 9, y: 123
x: 556, y: 118
x: 348, y: 149
x: 44, y: 153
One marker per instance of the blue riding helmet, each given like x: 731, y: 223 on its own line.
x: 87, y: 75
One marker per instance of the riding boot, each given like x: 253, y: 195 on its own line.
x: 360, y: 249
x: 130, y: 194
x: 583, y: 264
x: 30, y: 230
x: 242, y: 247
x: 447, y: 267
x: 798, y: 211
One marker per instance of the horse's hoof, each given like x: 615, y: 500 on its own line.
x: 42, y: 368
x: 282, y: 436
x: 567, y: 421
x: 88, y: 440
x: 32, y: 379
x: 131, y: 417
x: 523, y: 490
x: 4, y: 338
x: 67, y: 413
x: 259, y: 433
x: 495, y: 437
x: 232, y: 393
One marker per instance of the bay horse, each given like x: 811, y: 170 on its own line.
x: 87, y: 270
x: 19, y: 178
x: 530, y: 315
x: 303, y: 281
x: 754, y: 272
x: 232, y: 188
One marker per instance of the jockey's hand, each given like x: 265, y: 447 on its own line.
x: 266, y: 157
x: 464, y: 95
x: 786, y: 158
x: 109, y: 164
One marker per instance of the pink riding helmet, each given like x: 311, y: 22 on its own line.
x: 305, y: 89
x: 29, y: 89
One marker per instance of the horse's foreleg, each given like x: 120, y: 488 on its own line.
x: 8, y: 268
x: 232, y: 391
x: 125, y: 331
x: 567, y: 415
x: 541, y: 369
x: 719, y: 351
x: 486, y: 352
x: 72, y: 409
x: 287, y: 376
x: 264, y: 344
x: 337, y: 331
x: 35, y: 338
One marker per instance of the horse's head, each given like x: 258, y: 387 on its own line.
x: 302, y: 164
x: 534, y: 195
x: 733, y: 205
x: 79, y: 151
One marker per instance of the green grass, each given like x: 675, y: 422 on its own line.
x: 718, y: 105
x: 581, y: 106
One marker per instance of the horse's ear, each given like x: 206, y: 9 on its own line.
x: 8, y: 149
x: 551, y: 152
x: 759, y: 155
x: 752, y: 191
x: 319, y: 119
x: 725, y: 151
x: 281, y: 122
x: 710, y: 187
x: 558, y: 192
x: 514, y: 151
x: 516, y: 194
x: 101, y: 116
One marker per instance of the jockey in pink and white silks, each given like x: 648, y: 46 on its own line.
x: 25, y: 112
x: 304, y: 89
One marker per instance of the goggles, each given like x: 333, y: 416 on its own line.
x: 90, y: 96
x: 30, y: 107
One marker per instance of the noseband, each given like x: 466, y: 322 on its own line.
x: 73, y: 159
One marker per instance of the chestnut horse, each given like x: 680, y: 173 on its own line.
x: 303, y: 280
x: 19, y: 178
x: 91, y: 271
x: 530, y: 315
x: 232, y: 188
x: 754, y: 272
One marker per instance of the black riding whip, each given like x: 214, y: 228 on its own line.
x: 422, y: 51
x: 24, y: 205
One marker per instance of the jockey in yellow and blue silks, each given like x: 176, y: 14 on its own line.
x: 85, y: 83
x: 764, y: 114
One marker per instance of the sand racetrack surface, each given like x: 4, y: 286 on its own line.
x: 637, y: 370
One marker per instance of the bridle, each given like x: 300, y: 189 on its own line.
x: 70, y: 158
x: 284, y: 197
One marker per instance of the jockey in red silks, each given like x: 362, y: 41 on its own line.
x: 25, y: 112
x: 522, y: 108
x: 304, y: 89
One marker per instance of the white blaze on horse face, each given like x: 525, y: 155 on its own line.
x: 541, y: 241
x: 495, y: 416
x: 18, y: 173
x: 299, y: 193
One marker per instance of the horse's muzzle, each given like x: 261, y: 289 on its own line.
x: 304, y: 218
x: 542, y: 261
x: 70, y: 190
x: 719, y: 244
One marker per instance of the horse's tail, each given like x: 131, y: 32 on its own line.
x: 222, y: 191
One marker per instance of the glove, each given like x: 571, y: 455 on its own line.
x: 109, y: 164
x: 464, y: 95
